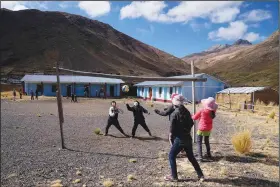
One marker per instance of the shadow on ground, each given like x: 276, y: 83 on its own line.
x: 245, y: 181
x: 109, y: 154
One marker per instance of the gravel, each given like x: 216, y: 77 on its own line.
x: 31, y: 154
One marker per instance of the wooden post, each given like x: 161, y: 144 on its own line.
x: 59, y: 105
x: 229, y: 100
x: 253, y: 103
x: 193, y: 101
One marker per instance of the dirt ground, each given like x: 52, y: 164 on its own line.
x: 31, y: 154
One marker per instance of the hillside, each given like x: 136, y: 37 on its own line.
x: 210, y: 56
x: 243, y: 65
x: 28, y: 37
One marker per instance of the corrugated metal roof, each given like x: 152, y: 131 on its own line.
x: 167, y: 83
x: 69, y: 79
x: 159, y: 83
x: 245, y: 90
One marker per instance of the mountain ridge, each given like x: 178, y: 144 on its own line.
x: 82, y: 44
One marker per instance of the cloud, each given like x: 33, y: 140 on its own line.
x: 256, y: 15
x: 224, y: 11
x: 150, y: 10
x: 142, y: 31
x: 234, y: 31
x: 13, y: 5
x: 254, y: 25
x: 95, y: 8
x: 22, y: 5
x: 252, y: 37
x: 64, y: 5
x: 198, y: 26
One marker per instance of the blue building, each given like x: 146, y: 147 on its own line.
x: 46, y: 85
x: 162, y: 90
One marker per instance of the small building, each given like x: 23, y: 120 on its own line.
x: 247, y: 95
x: 162, y: 90
x: 46, y: 85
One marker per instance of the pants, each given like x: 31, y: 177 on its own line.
x: 36, y: 96
x: 32, y: 97
x: 142, y: 123
x: 175, y: 149
x: 20, y: 96
x: 199, y: 145
x: 114, y: 122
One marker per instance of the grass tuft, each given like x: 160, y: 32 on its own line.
x: 242, y: 142
x: 130, y: 178
x: 108, y: 183
x: 272, y: 115
x: 132, y: 160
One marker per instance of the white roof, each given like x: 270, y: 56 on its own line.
x: 69, y: 79
x: 245, y: 90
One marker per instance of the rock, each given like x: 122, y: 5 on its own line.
x: 56, y: 181
x: 12, y: 175
x: 78, y: 173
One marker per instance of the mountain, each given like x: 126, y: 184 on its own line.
x: 209, y: 57
x: 243, y: 64
x: 30, y: 39
x: 242, y: 42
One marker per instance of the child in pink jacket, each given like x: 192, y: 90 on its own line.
x: 205, y: 125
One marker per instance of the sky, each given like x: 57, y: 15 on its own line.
x: 176, y: 27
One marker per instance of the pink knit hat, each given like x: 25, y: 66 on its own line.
x: 209, y: 103
x: 177, y: 99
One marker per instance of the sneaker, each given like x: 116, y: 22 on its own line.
x: 201, y: 179
x: 170, y: 178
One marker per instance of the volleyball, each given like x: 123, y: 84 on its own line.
x: 125, y: 88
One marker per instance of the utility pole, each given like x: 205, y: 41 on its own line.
x: 193, y: 101
x: 59, y: 105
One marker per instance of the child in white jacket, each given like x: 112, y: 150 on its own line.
x: 113, y: 118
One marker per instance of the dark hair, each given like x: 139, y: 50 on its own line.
x: 212, y: 114
x: 113, y: 102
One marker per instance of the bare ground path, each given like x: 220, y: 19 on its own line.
x: 30, y: 154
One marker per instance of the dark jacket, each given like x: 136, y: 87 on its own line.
x: 167, y: 111
x: 137, y: 112
x: 181, y: 128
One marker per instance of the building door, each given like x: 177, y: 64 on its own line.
x: 40, y: 88
x: 69, y: 89
x: 150, y: 92
x: 112, y: 91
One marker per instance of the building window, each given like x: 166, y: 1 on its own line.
x: 54, y: 88
x: 160, y: 91
x: 171, y: 91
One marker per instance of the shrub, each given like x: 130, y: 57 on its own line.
x: 108, y: 183
x: 272, y: 115
x: 97, y: 131
x: 242, y: 142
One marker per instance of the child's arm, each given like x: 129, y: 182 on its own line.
x: 129, y: 108
x: 145, y: 111
x: 120, y: 110
x: 197, y: 115
x: 166, y: 112
x: 111, y: 112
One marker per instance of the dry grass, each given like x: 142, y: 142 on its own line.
x: 272, y: 115
x: 132, y: 160
x: 108, y: 183
x: 77, y: 181
x: 242, y: 142
x: 130, y: 178
x: 56, y: 183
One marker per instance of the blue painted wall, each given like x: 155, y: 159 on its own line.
x: 79, y: 90
x: 93, y: 89
x: 31, y: 86
x: 48, y: 90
